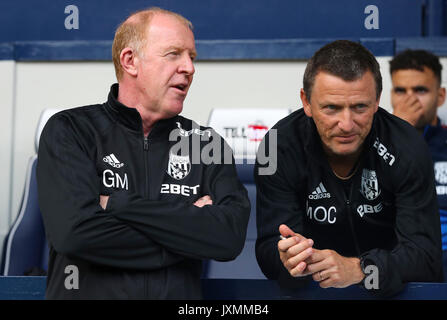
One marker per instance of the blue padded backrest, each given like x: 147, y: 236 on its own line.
x: 245, y: 265
x: 45, y: 255
x: 245, y: 174
x: 25, y: 245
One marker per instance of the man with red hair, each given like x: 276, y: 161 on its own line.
x: 126, y: 215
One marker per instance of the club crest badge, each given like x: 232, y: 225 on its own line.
x: 370, y: 186
x: 178, y: 166
x: 441, y: 172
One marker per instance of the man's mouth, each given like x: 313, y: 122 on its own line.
x: 346, y: 138
x: 181, y: 87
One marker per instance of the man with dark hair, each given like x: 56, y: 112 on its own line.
x: 416, y: 96
x: 126, y: 216
x: 353, y: 196
x: 417, y: 92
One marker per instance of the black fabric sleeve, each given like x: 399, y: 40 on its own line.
x: 75, y: 223
x: 276, y: 204
x: 215, y: 231
x: 417, y: 255
x: 137, y: 233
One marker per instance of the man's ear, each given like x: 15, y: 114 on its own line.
x: 129, y: 61
x: 306, y: 103
x: 441, y: 96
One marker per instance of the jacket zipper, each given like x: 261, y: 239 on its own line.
x: 146, y: 169
x: 351, y: 223
x: 146, y: 194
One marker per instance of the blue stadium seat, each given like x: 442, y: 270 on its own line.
x: 245, y: 265
x: 25, y: 249
x: 243, y: 134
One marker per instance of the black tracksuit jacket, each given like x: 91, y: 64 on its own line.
x: 387, y: 212
x: 150, y: 239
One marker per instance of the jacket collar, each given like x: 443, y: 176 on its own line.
x: 430, y: 131
x: 131, y: 119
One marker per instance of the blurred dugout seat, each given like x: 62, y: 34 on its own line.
x: 25, y: 249
x: 243, y: 130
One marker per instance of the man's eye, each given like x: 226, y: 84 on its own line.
x: 421, y: 90
x: 329, y: 109
x: 399, y: 90
x: 361, y: 107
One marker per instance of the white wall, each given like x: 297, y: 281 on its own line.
x: 7, y: 71
x: 40, y: 85
x: 43, y: 85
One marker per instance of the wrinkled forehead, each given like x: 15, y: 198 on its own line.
x: 329, y: 86
x: 165, y: 27
x: 165, y: 34
x: 414, y: 77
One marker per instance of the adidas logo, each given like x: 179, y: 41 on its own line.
x: 113, y: 161
x: 319, y: 193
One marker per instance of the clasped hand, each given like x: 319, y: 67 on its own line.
x: 326, y: 266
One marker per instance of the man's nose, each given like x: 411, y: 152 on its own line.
x: 187, y: 65
x: 345, y: 122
